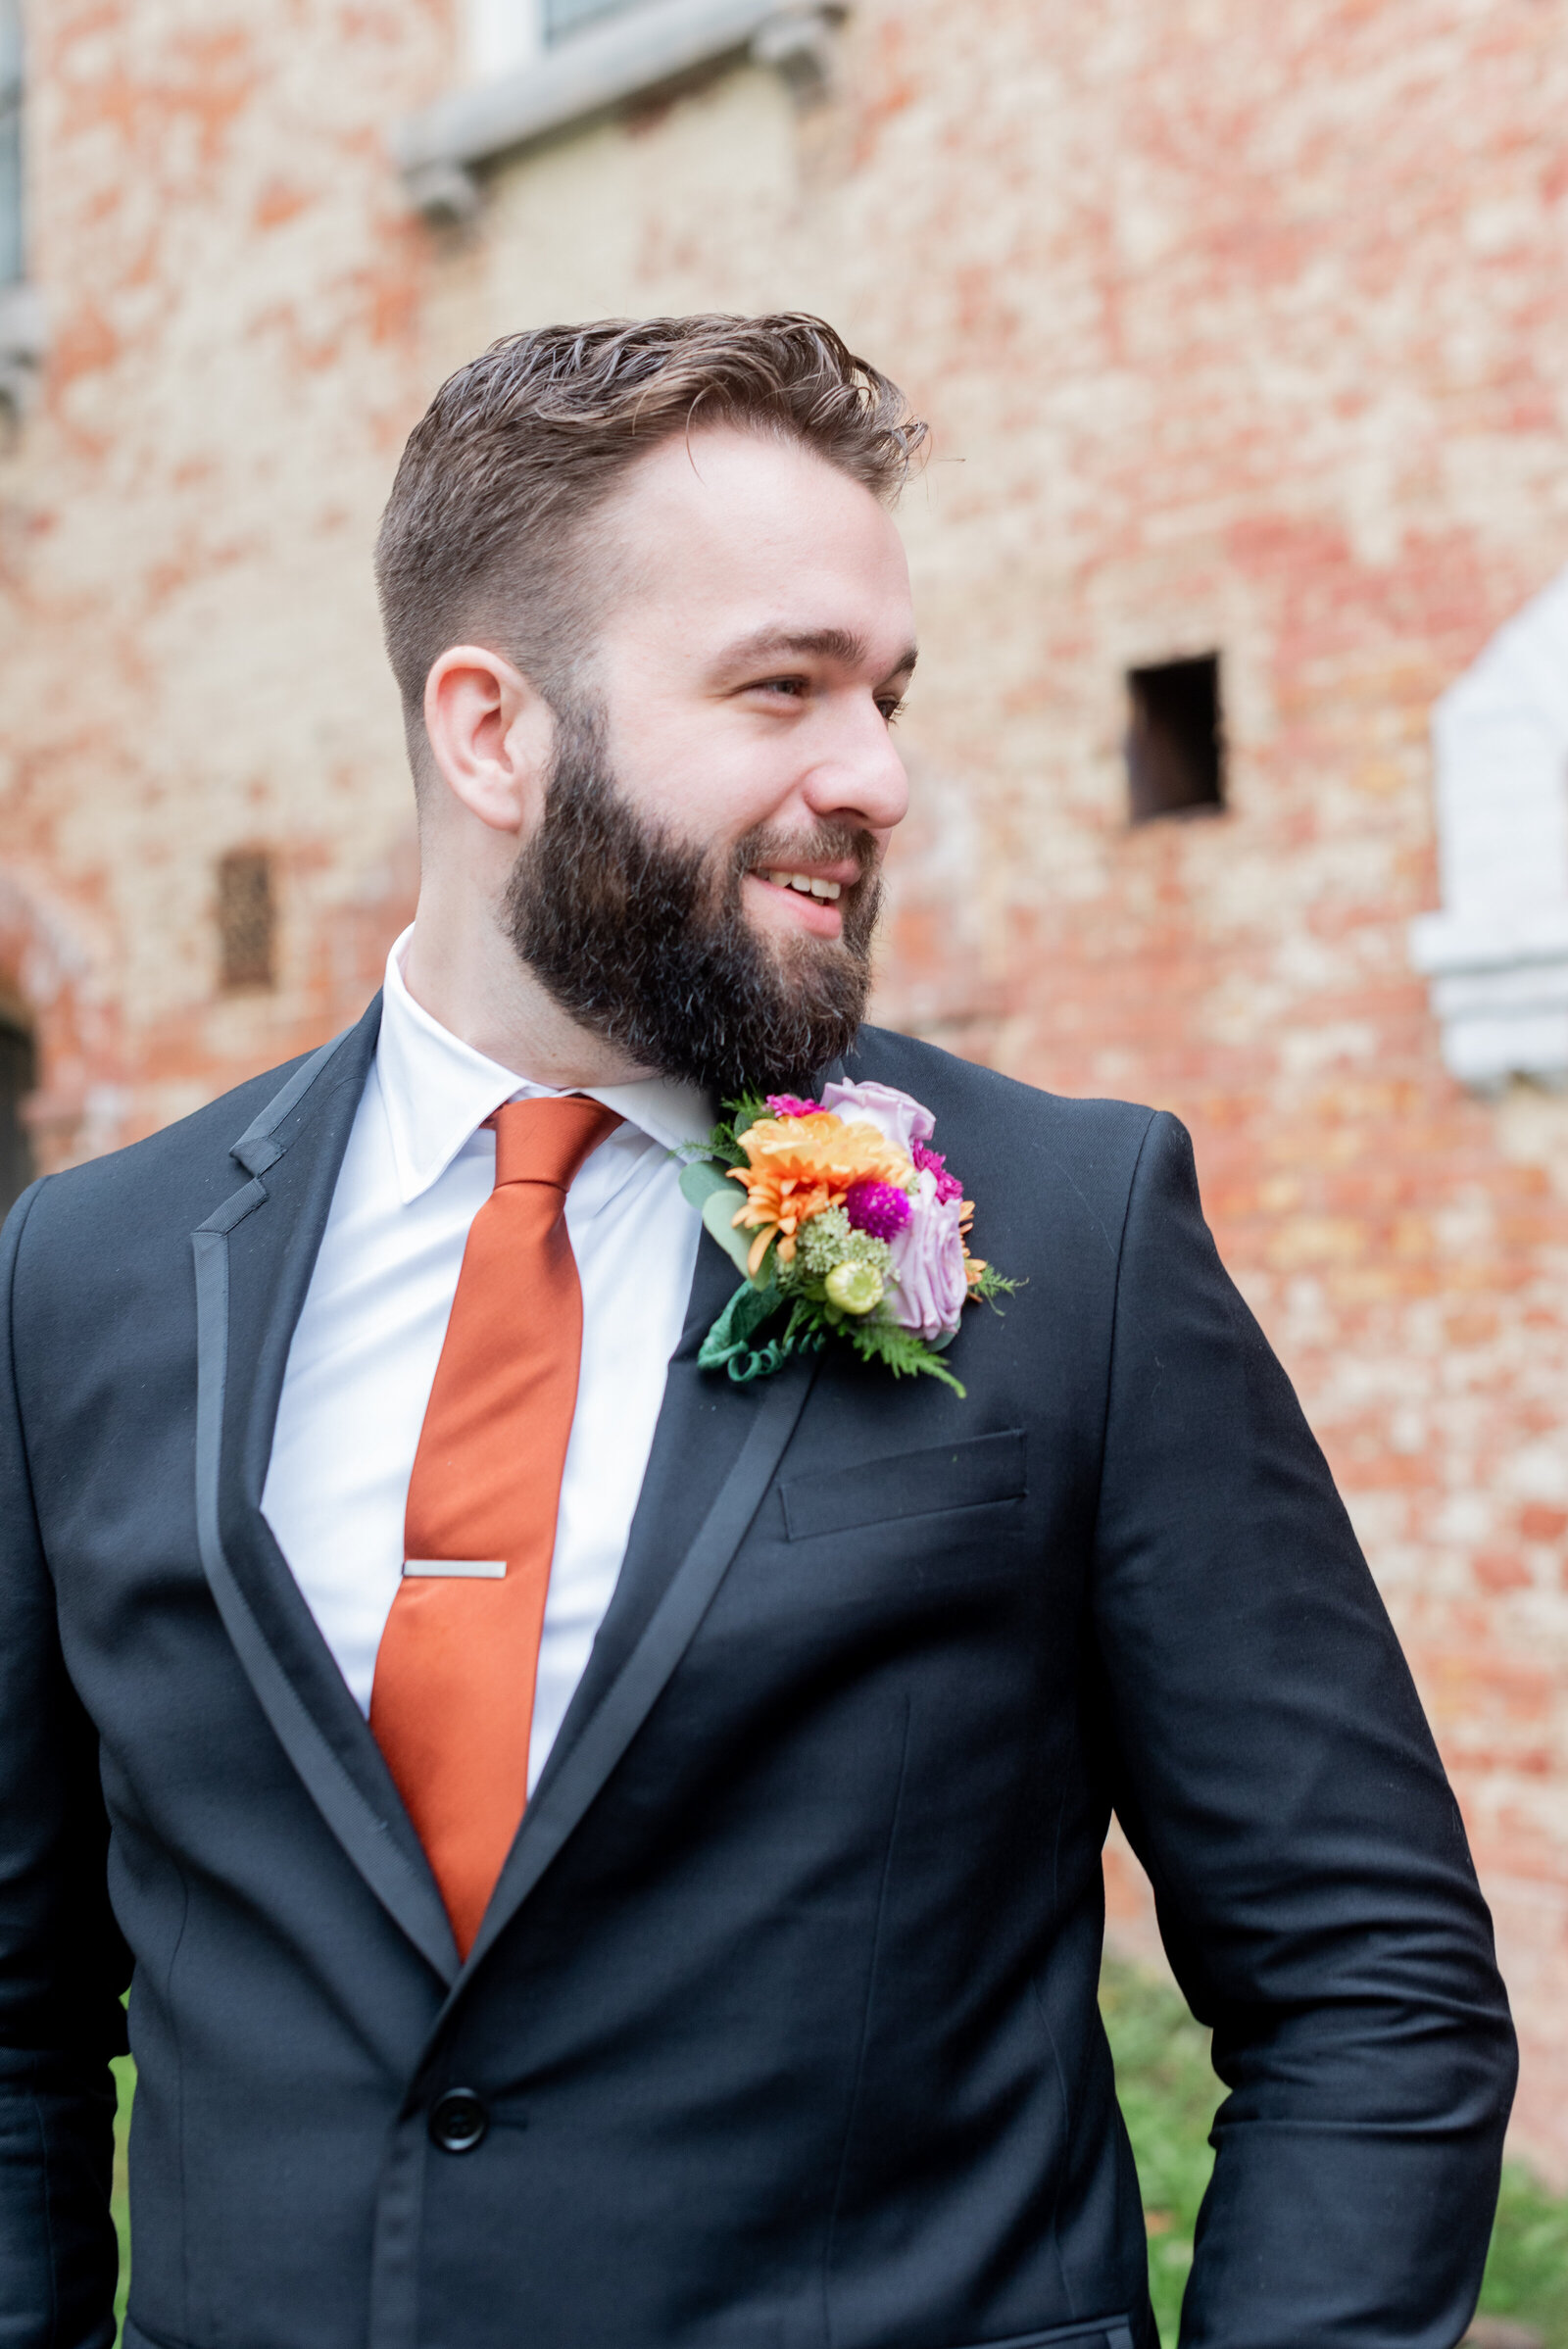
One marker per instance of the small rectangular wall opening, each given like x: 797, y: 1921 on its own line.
x: 247, y: 919
x: 1175, y: 740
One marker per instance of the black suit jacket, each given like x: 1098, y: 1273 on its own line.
x: 783, y: 2019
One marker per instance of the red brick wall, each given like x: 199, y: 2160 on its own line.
x: 187, y: 626
x: 1240, y: 329
x: 1269, y: 356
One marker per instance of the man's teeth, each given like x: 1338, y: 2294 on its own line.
x: 806, y: 885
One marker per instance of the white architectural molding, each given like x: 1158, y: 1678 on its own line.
x: 502, y: 34
x: 1497, y: 952
x: 23, y: 344
x: 646, y: 46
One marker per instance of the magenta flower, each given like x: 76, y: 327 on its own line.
x: 880, y: 1209
x: 790, y: 1105
x: 930, y: 1282
x: 933, y: 1162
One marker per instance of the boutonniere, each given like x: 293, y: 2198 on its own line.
x: 844, y: 1224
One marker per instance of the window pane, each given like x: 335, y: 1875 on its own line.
x: 562, y: 17
x: 10, y: 141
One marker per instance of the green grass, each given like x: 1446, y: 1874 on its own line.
x: 1168, y: 2094
x: 1527, y: 2272
x: 125, y: 2088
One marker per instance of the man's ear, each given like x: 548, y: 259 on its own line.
x: 491, y: 734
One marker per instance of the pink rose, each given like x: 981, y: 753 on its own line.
x: 930, y: 1285
x: 895, y: 1117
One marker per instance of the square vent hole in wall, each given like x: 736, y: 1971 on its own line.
x: 1175, y: 740
x: 247, y: 919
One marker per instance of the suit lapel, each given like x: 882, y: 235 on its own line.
x: 254, y: 1259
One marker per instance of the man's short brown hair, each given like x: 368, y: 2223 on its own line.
x: 484, y: 536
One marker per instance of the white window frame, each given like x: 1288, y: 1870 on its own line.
x: 642, y: 47
x: 503, y: 36
x: 1498, y: 954
x: 601, y: 12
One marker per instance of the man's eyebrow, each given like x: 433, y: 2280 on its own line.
x: 804, y: 644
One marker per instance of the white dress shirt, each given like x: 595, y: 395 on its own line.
x: 417, y: 1168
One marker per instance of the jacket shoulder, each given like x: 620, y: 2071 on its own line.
x: 1053, y: 1178
x: 175, y: 1177
x: 973, y: 1102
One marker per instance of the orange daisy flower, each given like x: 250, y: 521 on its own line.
x: 798, y: 1166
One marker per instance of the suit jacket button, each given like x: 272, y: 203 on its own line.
x: 457, y: 2121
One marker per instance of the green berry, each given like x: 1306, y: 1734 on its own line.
x: 855, y: 1288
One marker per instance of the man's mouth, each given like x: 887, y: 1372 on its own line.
x: 810, y: 885
x: 795, y: 898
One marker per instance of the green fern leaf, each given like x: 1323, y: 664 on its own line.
x: 900, y: 1351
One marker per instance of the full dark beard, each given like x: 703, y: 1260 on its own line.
x: 646, y: 944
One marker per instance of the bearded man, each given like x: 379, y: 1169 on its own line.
x: 601, y: 1818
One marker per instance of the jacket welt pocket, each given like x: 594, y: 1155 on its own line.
x: 917, y: 1484
x: 1102, y: 2332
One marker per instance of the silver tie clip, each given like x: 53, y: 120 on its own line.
x: 490, y: 1570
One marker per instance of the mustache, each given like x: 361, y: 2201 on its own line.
x: 826, y: 843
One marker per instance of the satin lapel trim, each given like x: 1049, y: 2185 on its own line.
x: 559, y: 1806
x: 405, y: 1891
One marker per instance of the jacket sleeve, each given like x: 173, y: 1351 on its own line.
x: 62, y: 1960
x: 1275, y: 1774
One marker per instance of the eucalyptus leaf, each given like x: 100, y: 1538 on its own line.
x: 716, y: 1199
x: 718, y: 1215
x: 700, y: 1180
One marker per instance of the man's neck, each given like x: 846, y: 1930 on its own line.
x: 465, y: 974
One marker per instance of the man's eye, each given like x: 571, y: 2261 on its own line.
x: 893, y: 711
x: 795, y: 687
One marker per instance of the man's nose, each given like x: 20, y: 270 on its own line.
x: 860, y: 776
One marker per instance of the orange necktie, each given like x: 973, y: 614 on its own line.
x: 452, y: 1701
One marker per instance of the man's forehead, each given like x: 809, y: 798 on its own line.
x: 751, y: 546
x: 751, y: 489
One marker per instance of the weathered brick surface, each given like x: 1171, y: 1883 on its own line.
x: 189, y: 644
x: 1240, y: 329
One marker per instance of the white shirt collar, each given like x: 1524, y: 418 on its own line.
x: 438, y: 1090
